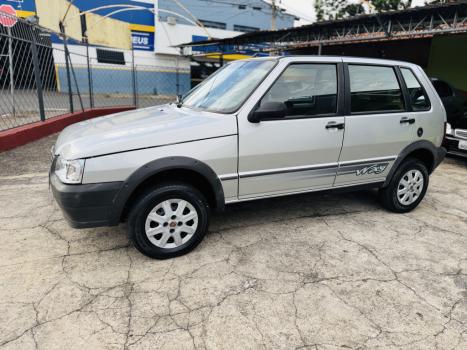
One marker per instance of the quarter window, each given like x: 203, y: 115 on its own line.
x: 418, y: 97
x: 306, y: 90
x: 374, y: 89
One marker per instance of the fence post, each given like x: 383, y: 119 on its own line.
x: 11, y: 70
x: 91, y: 93
x: 178, y: 81
x: 133, y: 76
x: 37, y: 75
x: 67, y: 65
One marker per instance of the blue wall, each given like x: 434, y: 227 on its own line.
x: 228, y: 13
x: 137, y: 17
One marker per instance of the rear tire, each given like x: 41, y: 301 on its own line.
x: 406, y: 188
x: 168, y: 220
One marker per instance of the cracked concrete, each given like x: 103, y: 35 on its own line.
x: 318, y: 271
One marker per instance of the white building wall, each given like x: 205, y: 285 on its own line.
x: 169, y: 35
x: 142, y: 58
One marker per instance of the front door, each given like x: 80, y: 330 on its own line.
x: 300, y: 151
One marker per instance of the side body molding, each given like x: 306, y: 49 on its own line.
x: 438, y: 154
x: 158, y: 166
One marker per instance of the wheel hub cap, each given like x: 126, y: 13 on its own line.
x: 410, y: 187
x: 171, y: 223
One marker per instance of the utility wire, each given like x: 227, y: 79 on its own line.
x: 67, y: 10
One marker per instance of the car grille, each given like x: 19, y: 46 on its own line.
x: 460, y: 133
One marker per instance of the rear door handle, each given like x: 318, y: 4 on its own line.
x: 406, y: 120
x: 334, y: 125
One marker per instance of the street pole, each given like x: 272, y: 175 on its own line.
x: 133, y: 76
x: 67, y: 65
x: 177, y: 81
x: 91, y: 94
x: 37, y: 77
x: 274, y: 14
x: 11, y: 70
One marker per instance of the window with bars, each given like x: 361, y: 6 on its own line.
x: 112, y: 57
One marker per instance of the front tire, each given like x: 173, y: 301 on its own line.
x: 407, y: 187
x: 168, y: 220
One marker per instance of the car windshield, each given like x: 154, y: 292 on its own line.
x: 227, y: 89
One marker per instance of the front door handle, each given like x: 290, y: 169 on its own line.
x: 406, y: 120
x: 334, y: 125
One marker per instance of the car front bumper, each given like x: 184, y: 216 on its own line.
x: 86, y: 205
x: 451, y: 143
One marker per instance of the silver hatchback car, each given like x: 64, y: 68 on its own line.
x: 256, y: 128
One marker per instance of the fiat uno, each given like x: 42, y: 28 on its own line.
x: 256, y: 128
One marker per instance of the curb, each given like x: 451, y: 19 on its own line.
x: 22, y: 135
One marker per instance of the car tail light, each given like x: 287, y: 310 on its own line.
x: 444, y: 132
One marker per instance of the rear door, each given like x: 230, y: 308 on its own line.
x: 378, y: 124
x: 429, y: 117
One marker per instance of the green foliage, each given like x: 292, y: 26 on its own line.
x: 335, y: 9
x: 389, y: 5
x: 350, y: 10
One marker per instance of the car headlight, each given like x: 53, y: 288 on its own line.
x: 69, y: 171
x: 448, y: 129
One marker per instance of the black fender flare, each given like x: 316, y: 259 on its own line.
x: 437, y: 152
x: 163, y: 164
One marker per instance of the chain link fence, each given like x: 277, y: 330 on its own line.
x: 43, y: 76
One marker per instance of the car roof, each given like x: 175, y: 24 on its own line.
x: 346, y: 59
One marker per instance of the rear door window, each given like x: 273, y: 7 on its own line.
x: 374, y: 89
x: 417, y: 95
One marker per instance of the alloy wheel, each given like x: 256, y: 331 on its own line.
x: 171, y: 223
x: 410, y: 187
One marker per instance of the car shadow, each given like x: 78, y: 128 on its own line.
x: 457, y: 160
x: 279, y: 209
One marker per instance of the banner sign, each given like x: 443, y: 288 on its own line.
x: 143, y: 41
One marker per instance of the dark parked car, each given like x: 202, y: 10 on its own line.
x: 455, y: 103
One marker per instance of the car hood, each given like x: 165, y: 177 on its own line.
x: 143, y: 128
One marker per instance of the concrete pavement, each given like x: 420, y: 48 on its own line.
x: 317, y: 271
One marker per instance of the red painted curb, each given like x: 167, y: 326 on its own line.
x: 15, y: 137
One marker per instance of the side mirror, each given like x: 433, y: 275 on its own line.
x: 268, y: 110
